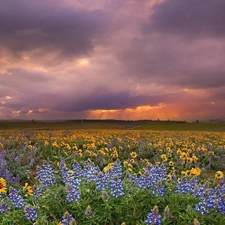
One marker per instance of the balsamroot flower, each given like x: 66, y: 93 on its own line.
x: 2, y: 186
x: 28, y: 189
x: 195, y: 171
x: 219, y: 175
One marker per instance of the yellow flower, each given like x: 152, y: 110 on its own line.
x: 164, y: 157
x: 219, y: 175
x: 171, y: 163
x: 71, y: 171
x: 129, y: 165
x: 194, y: 158
x: 132, y: 160
x: 179, y: 152
x: 189, y: 160
x: 133, y: 155
x: 196, y: 171
x: 129, y: 169
x: 169, y: 177
x: 108, y: 167
x: 188, y: 173
x: 183, y: 156
x: 28, y: 189
x: 2, y: 186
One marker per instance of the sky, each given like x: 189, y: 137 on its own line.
x: 112, y: 59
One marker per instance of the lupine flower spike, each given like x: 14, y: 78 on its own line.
x: 154, y: 218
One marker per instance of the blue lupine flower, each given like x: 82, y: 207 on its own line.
x: 3, y: 207
x: 68, y: 219
x: 78, y: 171
x: 16, y: 200
x: 72, y: 194
x: 36, y: 192
x: 116, y: 169
x: 159, y: 189
x: 4, y: 172
x: 30, y: 214
x: 51, y: 176
x: 64, y: 173
x: 46, y: 176
x: 102, y: 182
x: 221, y: 204
x: 32, y: 161
x: 116, y: 187
x: 201, y: 207
x: 184, y: 186
x: 90, y: 172
x: 154, y: 218
x: 145, y: 181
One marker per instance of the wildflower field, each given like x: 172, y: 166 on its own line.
x: 112, y: 177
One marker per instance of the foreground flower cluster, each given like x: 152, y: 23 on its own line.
x: 111, y: 178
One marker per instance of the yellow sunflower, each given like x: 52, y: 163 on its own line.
x: 219, y: 174
x: 169, y: 177
x: 189, y: 160
x: 28, y: 189
x: 171, y: 163
x: 187, y: 173
x: 196, y: 171
x: 2, y: 186
x: 133, y: 155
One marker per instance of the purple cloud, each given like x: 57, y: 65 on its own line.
x: 64, y: 59
x: 51, y: 27
x: 191, y: 19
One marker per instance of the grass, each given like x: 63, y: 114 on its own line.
x: 114, y: 124
x: 182, y: 126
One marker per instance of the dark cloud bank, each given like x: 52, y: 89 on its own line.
x: 180, y: 45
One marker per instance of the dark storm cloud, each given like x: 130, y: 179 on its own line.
x: 173, y: 62
x: 50, y: 26
x: 108, y: 101
x: 192, y: 18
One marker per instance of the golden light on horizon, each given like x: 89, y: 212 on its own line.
x: 160, y: 111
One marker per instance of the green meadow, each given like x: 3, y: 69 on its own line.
x: 115, y: 124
